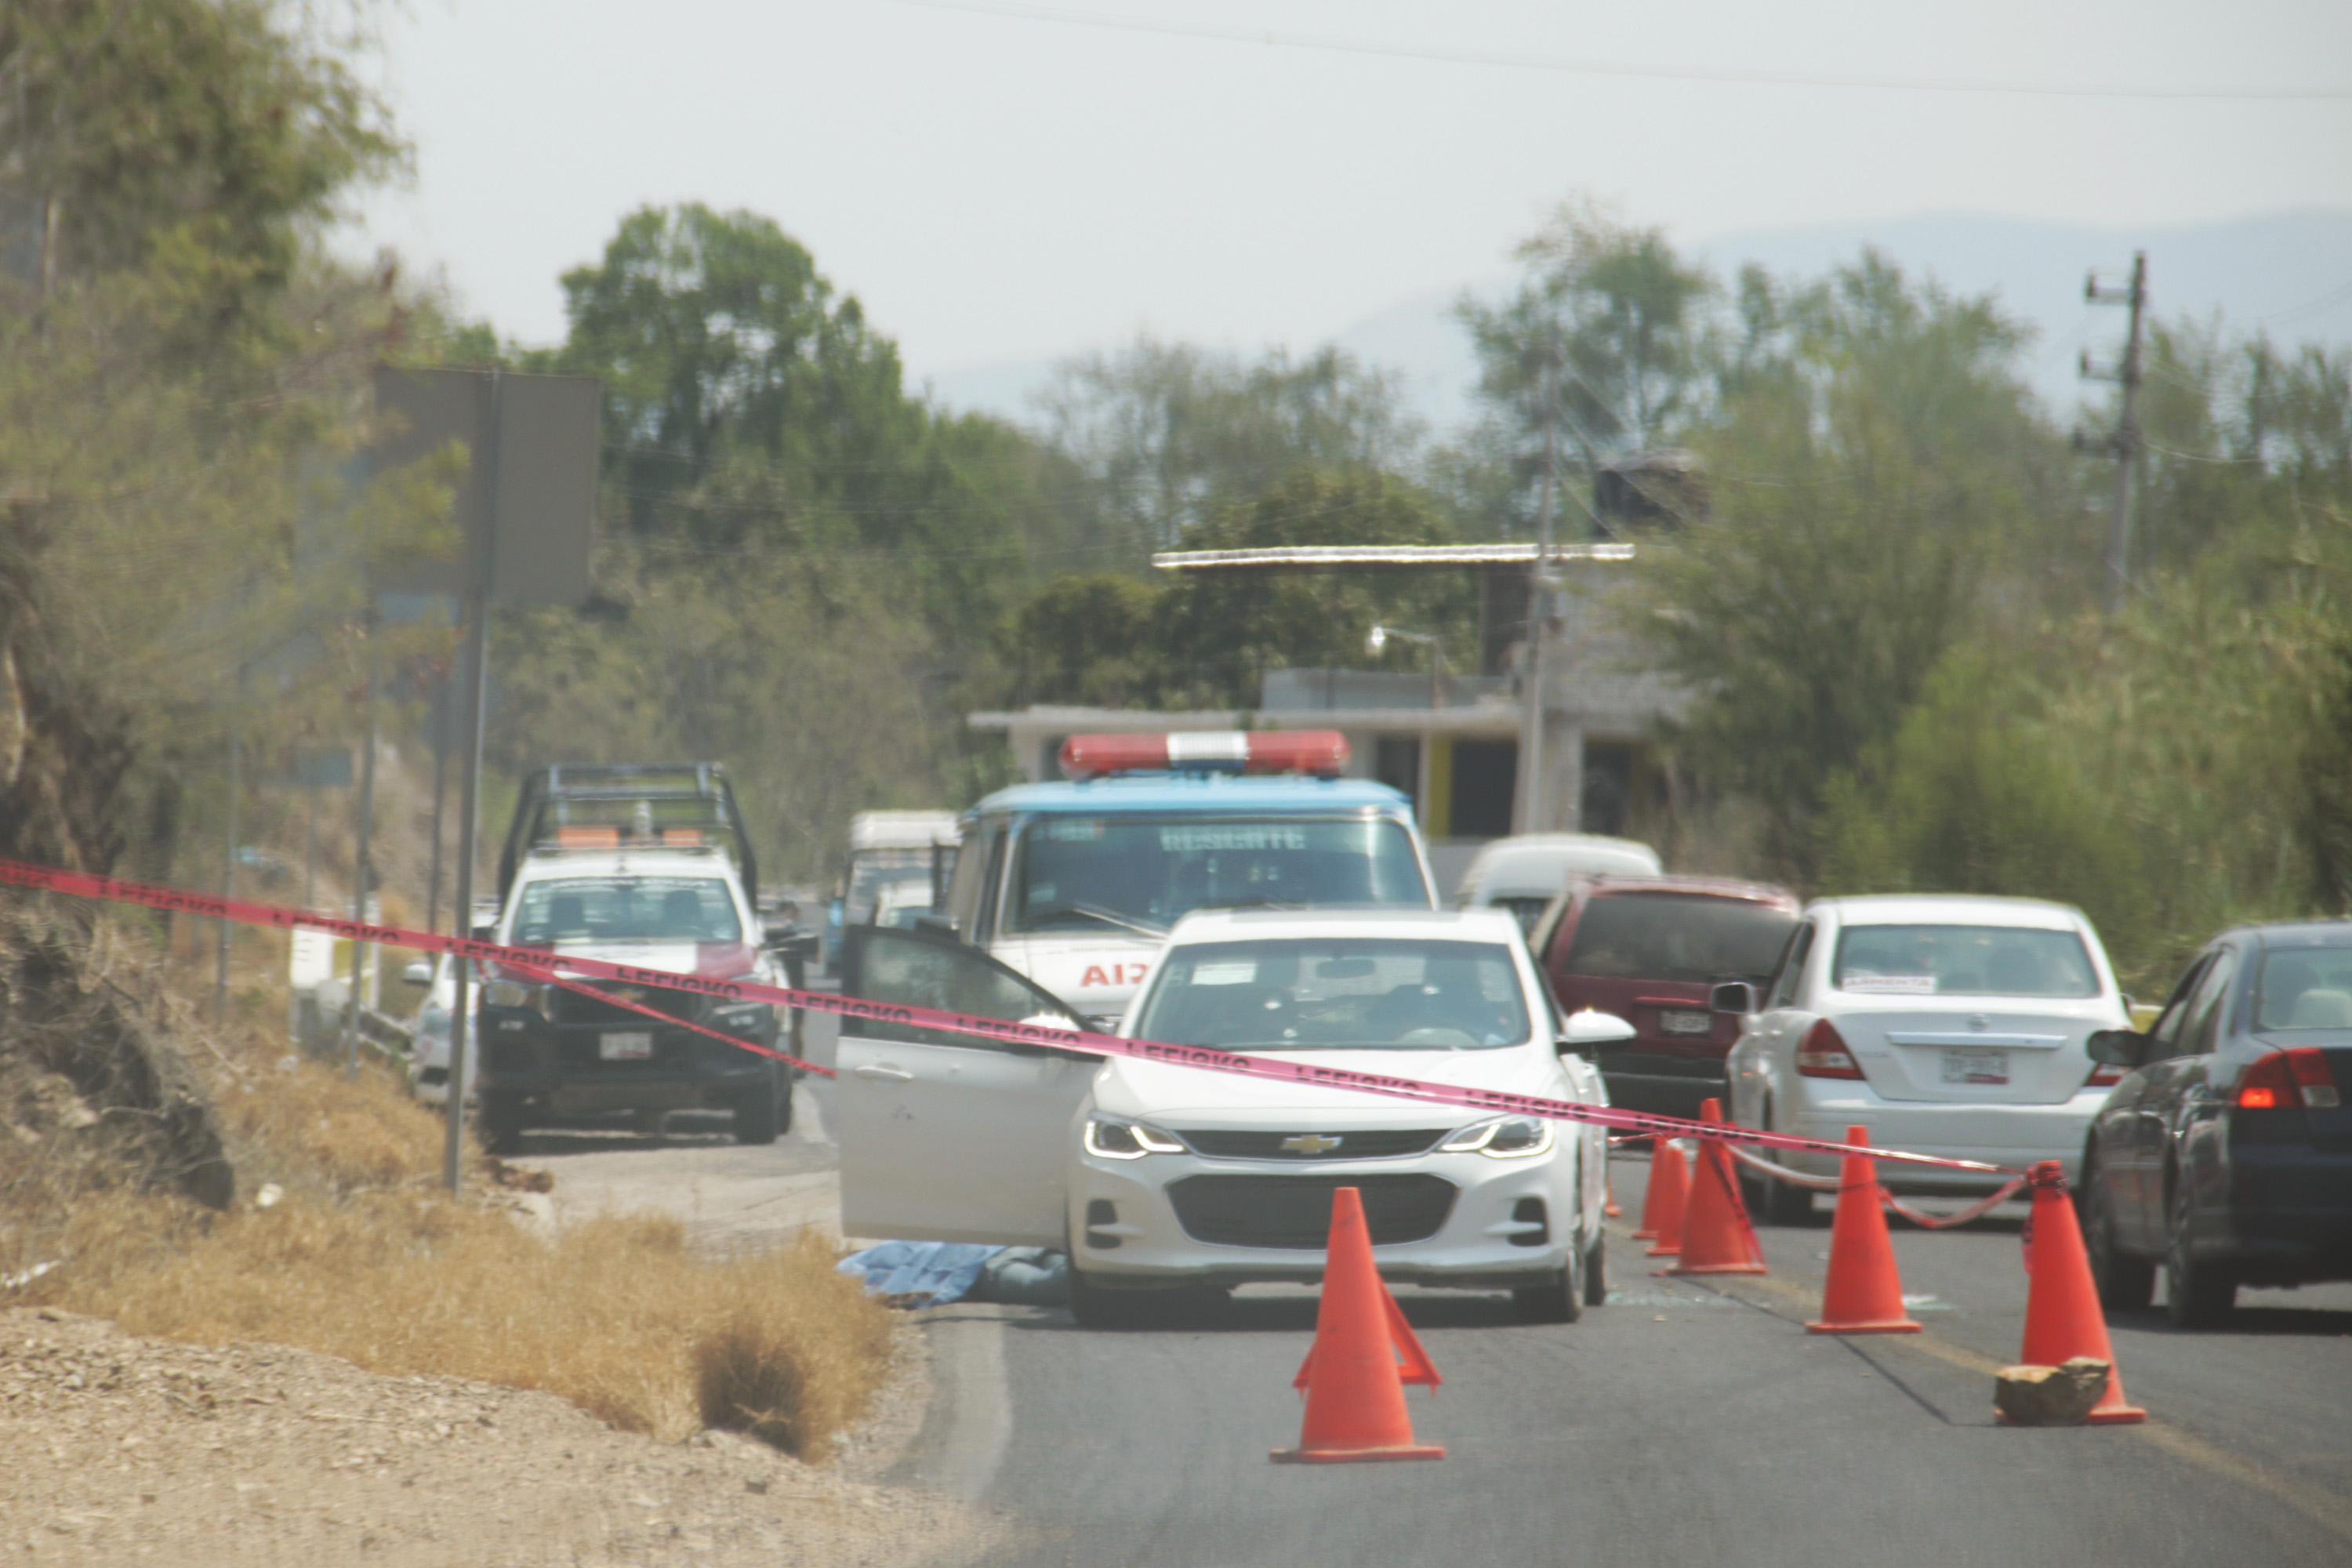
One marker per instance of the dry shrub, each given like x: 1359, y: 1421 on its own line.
x: 364, y: 1256
x: 615, y: 1314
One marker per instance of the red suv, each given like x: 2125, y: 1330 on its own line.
x: 1648, y: 948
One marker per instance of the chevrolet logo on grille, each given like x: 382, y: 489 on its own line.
x: 628, y: 993
x: 1310, y: 1143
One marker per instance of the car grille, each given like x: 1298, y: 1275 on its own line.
x: 1363, y: 1143
x: 1295, y: 1212
x: 574, y: 1007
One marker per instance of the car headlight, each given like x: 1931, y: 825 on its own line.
x: 1503, y: 1138
x: 505, y: 993
x: 1113, y: 1139
x: 743, y: 1017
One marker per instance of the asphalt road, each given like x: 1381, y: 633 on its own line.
x: 1681, y: 1424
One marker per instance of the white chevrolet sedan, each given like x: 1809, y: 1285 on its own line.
x: 1157, y: 1177
x: 1945, y: 1024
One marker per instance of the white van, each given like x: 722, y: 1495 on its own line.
x: 1524, y: 873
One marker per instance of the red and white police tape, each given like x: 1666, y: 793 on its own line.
x: 1919, y: 1216
x: 537, y: 962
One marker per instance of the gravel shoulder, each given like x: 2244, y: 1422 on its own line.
x: 115, y: 1449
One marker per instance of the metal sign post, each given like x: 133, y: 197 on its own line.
x: 527, y: 514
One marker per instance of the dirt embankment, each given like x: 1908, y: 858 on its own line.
x: 117, y: 1450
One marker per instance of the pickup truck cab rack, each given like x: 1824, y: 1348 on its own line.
x: 596, y: 807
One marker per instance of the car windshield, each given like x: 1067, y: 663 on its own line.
x: 1143, y: 874
x: 1338, y: 994
x: 626, y: 908
x: 1975, y: 961
x: 1675, y: 936
x: 876, y: 875
x: 2305, y: 988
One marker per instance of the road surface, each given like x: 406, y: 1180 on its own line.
x: 1684, y: 1423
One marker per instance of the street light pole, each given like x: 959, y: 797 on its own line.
x: 1540, y: 591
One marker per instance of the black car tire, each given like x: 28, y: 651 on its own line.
x: 2126, y: 1284
x: 1596, y: 1273
x: 1775, y: 1202
x: 1560, y: 1301
x: 758, y: 1118
x: 501, y: 1123
x: 2197, y: 1294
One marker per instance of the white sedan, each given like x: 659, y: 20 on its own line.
x: 1945, y: 1024
x: 1158, y: 1178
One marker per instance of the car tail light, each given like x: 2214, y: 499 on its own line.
x: 2299, y: 1074
x: 1322, y: 752
x: 2105, y: 1074
x: 1822, y: 1053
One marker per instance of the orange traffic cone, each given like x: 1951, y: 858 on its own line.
x: 1864, y: 1294
x: 1609, y: 1208
x: 1717, y: 1236
x: 1363, y: 1355
x: 1662, y: 1205
x: 2062, y: 1304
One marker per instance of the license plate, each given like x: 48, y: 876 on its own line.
x: 1976, y: 1066
x: 1674, y: 1022
x: 633, y: 1046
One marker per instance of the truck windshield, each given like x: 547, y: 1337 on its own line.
x: 1338, y: 994
x: 898, y: 877
x: 1142, y: 874
x: 626, y: 908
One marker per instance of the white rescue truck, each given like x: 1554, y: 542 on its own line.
x: 1076, y: 883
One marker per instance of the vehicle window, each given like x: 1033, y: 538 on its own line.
x: 1792, y: 968
x: 886, y: 877
x: 2167, y: 1032
x: 963, y: 886
x: 2206, y: 1008
x: 1094, y: 873
x: 920, y: 969
x: 1972, y: 961
x: 1338, y: 994
x: 1526, y: 911
x: 1668, y: 936
x: 626, y: 908
x: 2305, y: 988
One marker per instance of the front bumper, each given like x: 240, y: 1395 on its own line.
x: 1506, y: 1224
x: 558, y: 1069
x: 2015, y: 1136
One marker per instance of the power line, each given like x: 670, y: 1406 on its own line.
x: 1639, y: 72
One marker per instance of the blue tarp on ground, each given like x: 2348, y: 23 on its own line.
x: 934, y: 1273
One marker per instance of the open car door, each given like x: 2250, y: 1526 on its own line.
x: 948, y: 1137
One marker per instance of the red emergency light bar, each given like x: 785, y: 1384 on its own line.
x: 1321, y: 753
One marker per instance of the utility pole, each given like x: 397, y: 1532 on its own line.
x: 2127, y: 443
x: 364, y: 870
x: 1540, y: 591
x: 228, y: 867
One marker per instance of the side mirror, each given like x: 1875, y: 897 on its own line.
x: 418, y: 972
x: 485, y: 932
x: 1588, y: 1029
x: 2115, y: 1048
x: 1735, y: 996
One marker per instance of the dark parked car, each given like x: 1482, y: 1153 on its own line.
x: 1649, y: 949
x: 2225, y: 1153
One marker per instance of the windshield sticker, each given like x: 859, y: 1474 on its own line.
x: 1240, y: 836
x: 1891, y: 984
x: 1230, y: 972
x: 1072, y: 830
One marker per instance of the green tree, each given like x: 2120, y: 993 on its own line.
x: 1171, y: 434
x: 1085, y: 639
x: 1971, y: 795
x: 1601, y: 341
x: 1216, y: 634
x: 1876, y: 463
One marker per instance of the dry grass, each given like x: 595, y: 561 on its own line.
x: 365, y: 1256
x: 615, y: 1314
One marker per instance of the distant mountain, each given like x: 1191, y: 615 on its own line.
x: 2288, y: 274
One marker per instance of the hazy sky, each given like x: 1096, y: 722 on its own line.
x: 1005, y: 182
